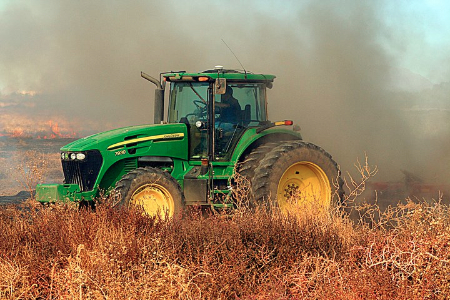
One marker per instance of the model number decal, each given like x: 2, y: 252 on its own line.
x: 121, y: 152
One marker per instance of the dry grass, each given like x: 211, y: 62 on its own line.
x: 62, y: 253
x: 59, y: 252
x: 24, y: 169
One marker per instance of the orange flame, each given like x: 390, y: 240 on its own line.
x: 16, y: 133
x: 52, y: 128
x: 56, y: 133
x: 19, y: 132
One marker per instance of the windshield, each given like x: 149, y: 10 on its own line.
x: 188, y: 102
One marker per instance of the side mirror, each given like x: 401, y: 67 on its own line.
x: 220, y: 86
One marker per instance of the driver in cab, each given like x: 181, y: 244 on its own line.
x: 230, y: 109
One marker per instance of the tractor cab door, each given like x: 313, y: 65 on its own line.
x: 191, y: 104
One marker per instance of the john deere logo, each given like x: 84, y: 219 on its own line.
x: 172, y: 135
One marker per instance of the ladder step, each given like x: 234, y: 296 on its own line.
x: 223, y: 205
x: 222, y: 191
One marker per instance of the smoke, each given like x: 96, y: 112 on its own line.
x: 80, y: 61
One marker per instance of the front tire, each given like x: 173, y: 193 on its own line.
x: 296, y: 173
x: 155, y: 191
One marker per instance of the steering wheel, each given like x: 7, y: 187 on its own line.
x: 200, y: 111
x: 201, y: 108
x: 200, y: 104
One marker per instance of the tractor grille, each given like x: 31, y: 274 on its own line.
x: 84, y: 172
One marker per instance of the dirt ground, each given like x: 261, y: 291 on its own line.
x: 15, y: 178
x: 27, y: 162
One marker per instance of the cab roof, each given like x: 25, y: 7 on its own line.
x: 210, y: 75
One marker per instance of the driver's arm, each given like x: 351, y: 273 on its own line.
x: 222, y: 105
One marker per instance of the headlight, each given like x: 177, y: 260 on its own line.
x: 73, y: 156
x: 199, y: 124
x: 80, y: 156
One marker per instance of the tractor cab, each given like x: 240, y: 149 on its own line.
x: 217, y: 106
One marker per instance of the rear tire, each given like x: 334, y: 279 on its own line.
x: 296, y: 173
x: 153, y: 190
x: 252, y: 160
x: 245, y: 172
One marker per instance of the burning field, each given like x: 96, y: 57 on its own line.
x: 361, y: 78
x: 29, y: 148
x: 49, y: 130
x: 22, y: 127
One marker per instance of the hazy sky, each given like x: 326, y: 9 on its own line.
x: 416, y: 32
x: 78, y: 63
x: 421, y: 28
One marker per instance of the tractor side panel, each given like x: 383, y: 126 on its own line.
x: 121, y: 153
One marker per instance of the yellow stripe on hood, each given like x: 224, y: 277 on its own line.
x: 167, y: 136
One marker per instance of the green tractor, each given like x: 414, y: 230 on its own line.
x: 217, y: 125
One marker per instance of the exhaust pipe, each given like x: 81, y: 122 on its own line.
x: 159, y: 99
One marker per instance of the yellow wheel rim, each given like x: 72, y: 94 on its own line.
x: 303, y: 183
x: 154, y: 199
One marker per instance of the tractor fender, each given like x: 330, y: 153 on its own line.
x: 118, y: 169
x: 251, y: 140
x: 115, y: 171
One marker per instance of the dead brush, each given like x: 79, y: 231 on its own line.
x: 411, y: 245
x: 12, y: 280
x: 28, y: 168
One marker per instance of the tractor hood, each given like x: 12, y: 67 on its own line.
x: 132, y: 137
